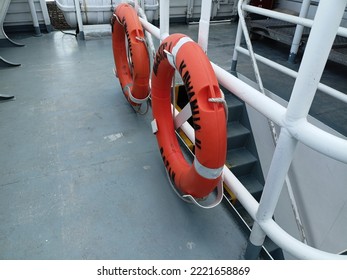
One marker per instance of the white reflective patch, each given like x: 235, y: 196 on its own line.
x: 179, y: 44
x: 114, y: 137
x: 171, y: 57
x: 208, y: 173
x: 183, y: 116
x: 154, y: 126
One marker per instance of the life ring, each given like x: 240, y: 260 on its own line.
x: 201, y: 177
x: 131, y: 57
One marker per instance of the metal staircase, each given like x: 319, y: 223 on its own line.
x: 243, y: 161
x: 242, y: 157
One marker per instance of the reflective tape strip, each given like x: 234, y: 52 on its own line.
x: 172, y: 57
x: 136, y: 100
x: 154, y: 126
x: 208, y: 173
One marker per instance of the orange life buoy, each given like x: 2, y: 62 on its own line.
x: 209, y: 118
x: 131, y: 56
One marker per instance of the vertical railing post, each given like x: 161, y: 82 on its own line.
x: 279, y: 167
x: 46, y: 15
x: 34, y: 18
x: 298, y: 31
x: 164, y: 21
x: 79, y: 19
x: 327, y: 20
x: 204, y: 24
x: 237, y: 44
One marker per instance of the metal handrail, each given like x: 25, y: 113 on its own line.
x: 295, y: 128
x: 342, y: 31
x: 294, y: 74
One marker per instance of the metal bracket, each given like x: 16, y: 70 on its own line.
x: 218, y: 199
x: 190, y: 199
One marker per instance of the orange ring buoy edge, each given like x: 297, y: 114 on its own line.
x: 133, y: 70
x: 199, y: 179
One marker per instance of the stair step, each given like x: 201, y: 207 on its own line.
x: 241, y: 161
x: 235, y: 107
x: 237, y: 135
x: 252, y: 185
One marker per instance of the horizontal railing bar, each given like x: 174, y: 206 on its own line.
x: 250, y: 95
x: 342, y: 31
x: 322, y: 87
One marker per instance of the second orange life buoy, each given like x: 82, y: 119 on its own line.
x: 130, y: 54
x: 201, y: 177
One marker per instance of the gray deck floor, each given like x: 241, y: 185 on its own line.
x: 81, y: 176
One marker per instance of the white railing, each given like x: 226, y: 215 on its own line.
x: 242, y: 29
x: 300, y: 21
x: 292, y: 120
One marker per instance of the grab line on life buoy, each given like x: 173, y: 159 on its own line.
x: 131, y: 55
x: 199, y: 179
x: 172, y: 58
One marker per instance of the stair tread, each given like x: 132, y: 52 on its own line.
x: 240, y: 161
x: 235, y: 128
x: 240, y: 156
x: 235, y: 107
x: 232, y: 100
x: 251, y: 183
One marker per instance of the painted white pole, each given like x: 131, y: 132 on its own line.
x: 34, y: 17
x: 3, y: 11
x: 46, y: 15
x: 328, y: 19
x: 342, y: 31
x: 242, y: 21
x: 136, y: 5
x: 279, y: 167
x: 237, y: 45
x: 298, y: 31
x: 204, y: 24
x: 164, y: 20
x: 79, y: 19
